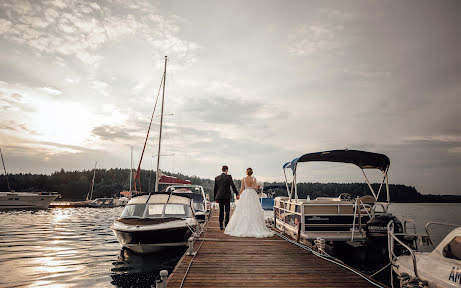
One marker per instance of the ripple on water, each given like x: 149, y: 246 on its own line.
x: 72, y: 247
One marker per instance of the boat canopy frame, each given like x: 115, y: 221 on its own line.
x: 362, y: 159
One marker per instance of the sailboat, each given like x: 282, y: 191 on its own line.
x: 154, y: 222
x: 105, y: 202
x: 124, y: 193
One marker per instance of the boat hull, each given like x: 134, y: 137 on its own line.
x: 153, y: 238
x: 15, y: 201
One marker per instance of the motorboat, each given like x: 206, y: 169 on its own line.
x: 108, y: 202
x: 439, y: 268
x: 26, y: 200
x: 353, y: 228
x: 198, y: 196
x: 152, y: 223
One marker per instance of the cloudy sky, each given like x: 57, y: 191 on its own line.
x: 249, y: 84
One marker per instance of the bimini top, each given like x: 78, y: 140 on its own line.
x: 365, y: 160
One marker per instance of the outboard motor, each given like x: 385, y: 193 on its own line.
x: 376, y: 228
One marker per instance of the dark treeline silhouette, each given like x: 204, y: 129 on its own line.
x: 74, y: 185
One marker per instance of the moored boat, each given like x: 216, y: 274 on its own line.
x: 108, y: 202
x: 26, y: 200
x: 355, y: 229
x: 152, y: 223
x: 199, y: 200
x: 439, y: 268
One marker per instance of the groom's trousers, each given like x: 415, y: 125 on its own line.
x: 224, y: 206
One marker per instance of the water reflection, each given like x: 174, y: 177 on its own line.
x: 72, y: 247
x: 136, y: 270
x: 76, y: 248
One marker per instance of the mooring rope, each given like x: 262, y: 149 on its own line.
x: 330, y: 258
x: 324, y: 256
x: 377, y: 272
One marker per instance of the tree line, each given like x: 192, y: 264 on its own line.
x: 75, y: 185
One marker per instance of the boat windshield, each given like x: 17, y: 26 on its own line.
x: 198, y: 206
x: 134, y: 211
x: 171, y: 210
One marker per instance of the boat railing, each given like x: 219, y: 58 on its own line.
x: 405, y: 225
x: 358, y: 211
x: 358, y: 206
x: 429, y: 224
x: 391, y: 238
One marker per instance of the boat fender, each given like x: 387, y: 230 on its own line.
x: 407, y: 281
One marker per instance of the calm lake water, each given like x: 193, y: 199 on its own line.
x: 74, y: 247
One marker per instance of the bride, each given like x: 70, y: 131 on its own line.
x: 248, y: 218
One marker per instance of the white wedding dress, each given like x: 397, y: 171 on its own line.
x: 248, y: 217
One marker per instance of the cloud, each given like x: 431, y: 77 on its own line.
x: 316, y: 38
x: 107, y: 132
x: 15, y: 126
x: 13, y: 101
x: 80, y: 28
x: 50, y: 91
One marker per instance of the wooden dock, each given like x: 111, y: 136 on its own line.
x: 225, y: 261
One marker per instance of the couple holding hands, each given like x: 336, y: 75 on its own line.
x: 248, y: 217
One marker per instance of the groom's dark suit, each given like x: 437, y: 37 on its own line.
x: 222, y: 194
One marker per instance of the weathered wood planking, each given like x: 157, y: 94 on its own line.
x: 226, y: 261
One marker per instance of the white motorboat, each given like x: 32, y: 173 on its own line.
x: 439, y: 268
x: 199, y: 200
x: 151, y: 223
x: 26, y: 200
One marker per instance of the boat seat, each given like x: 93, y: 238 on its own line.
x: 367, y: 199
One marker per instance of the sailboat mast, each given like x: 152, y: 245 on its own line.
x: 89, y: 196
x: 131, y: 166
x: 6, y: 174
x: 160, y: 134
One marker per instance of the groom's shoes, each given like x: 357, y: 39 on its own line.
x: 220, y: 227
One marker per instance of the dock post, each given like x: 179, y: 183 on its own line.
x: 298, y: 237
x: 190, y: 243
x: 163, y: 279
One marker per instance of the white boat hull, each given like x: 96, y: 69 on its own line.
x: 145, y: 238
x: 436, y: 273
x: 23, y: 200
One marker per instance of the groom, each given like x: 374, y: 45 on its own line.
x: 222, y: 194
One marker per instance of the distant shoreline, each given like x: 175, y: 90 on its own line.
x: 74, y: 186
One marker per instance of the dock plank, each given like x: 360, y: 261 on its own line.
x: 225, y: 261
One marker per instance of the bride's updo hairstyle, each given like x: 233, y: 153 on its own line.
x: 249, y: 171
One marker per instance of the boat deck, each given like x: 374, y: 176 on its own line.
x: 225, y: 261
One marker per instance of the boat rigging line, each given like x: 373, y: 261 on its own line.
x: 138, y: 172
x: 162, y: 85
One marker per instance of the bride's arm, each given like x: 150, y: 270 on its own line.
x: 255, y: 184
